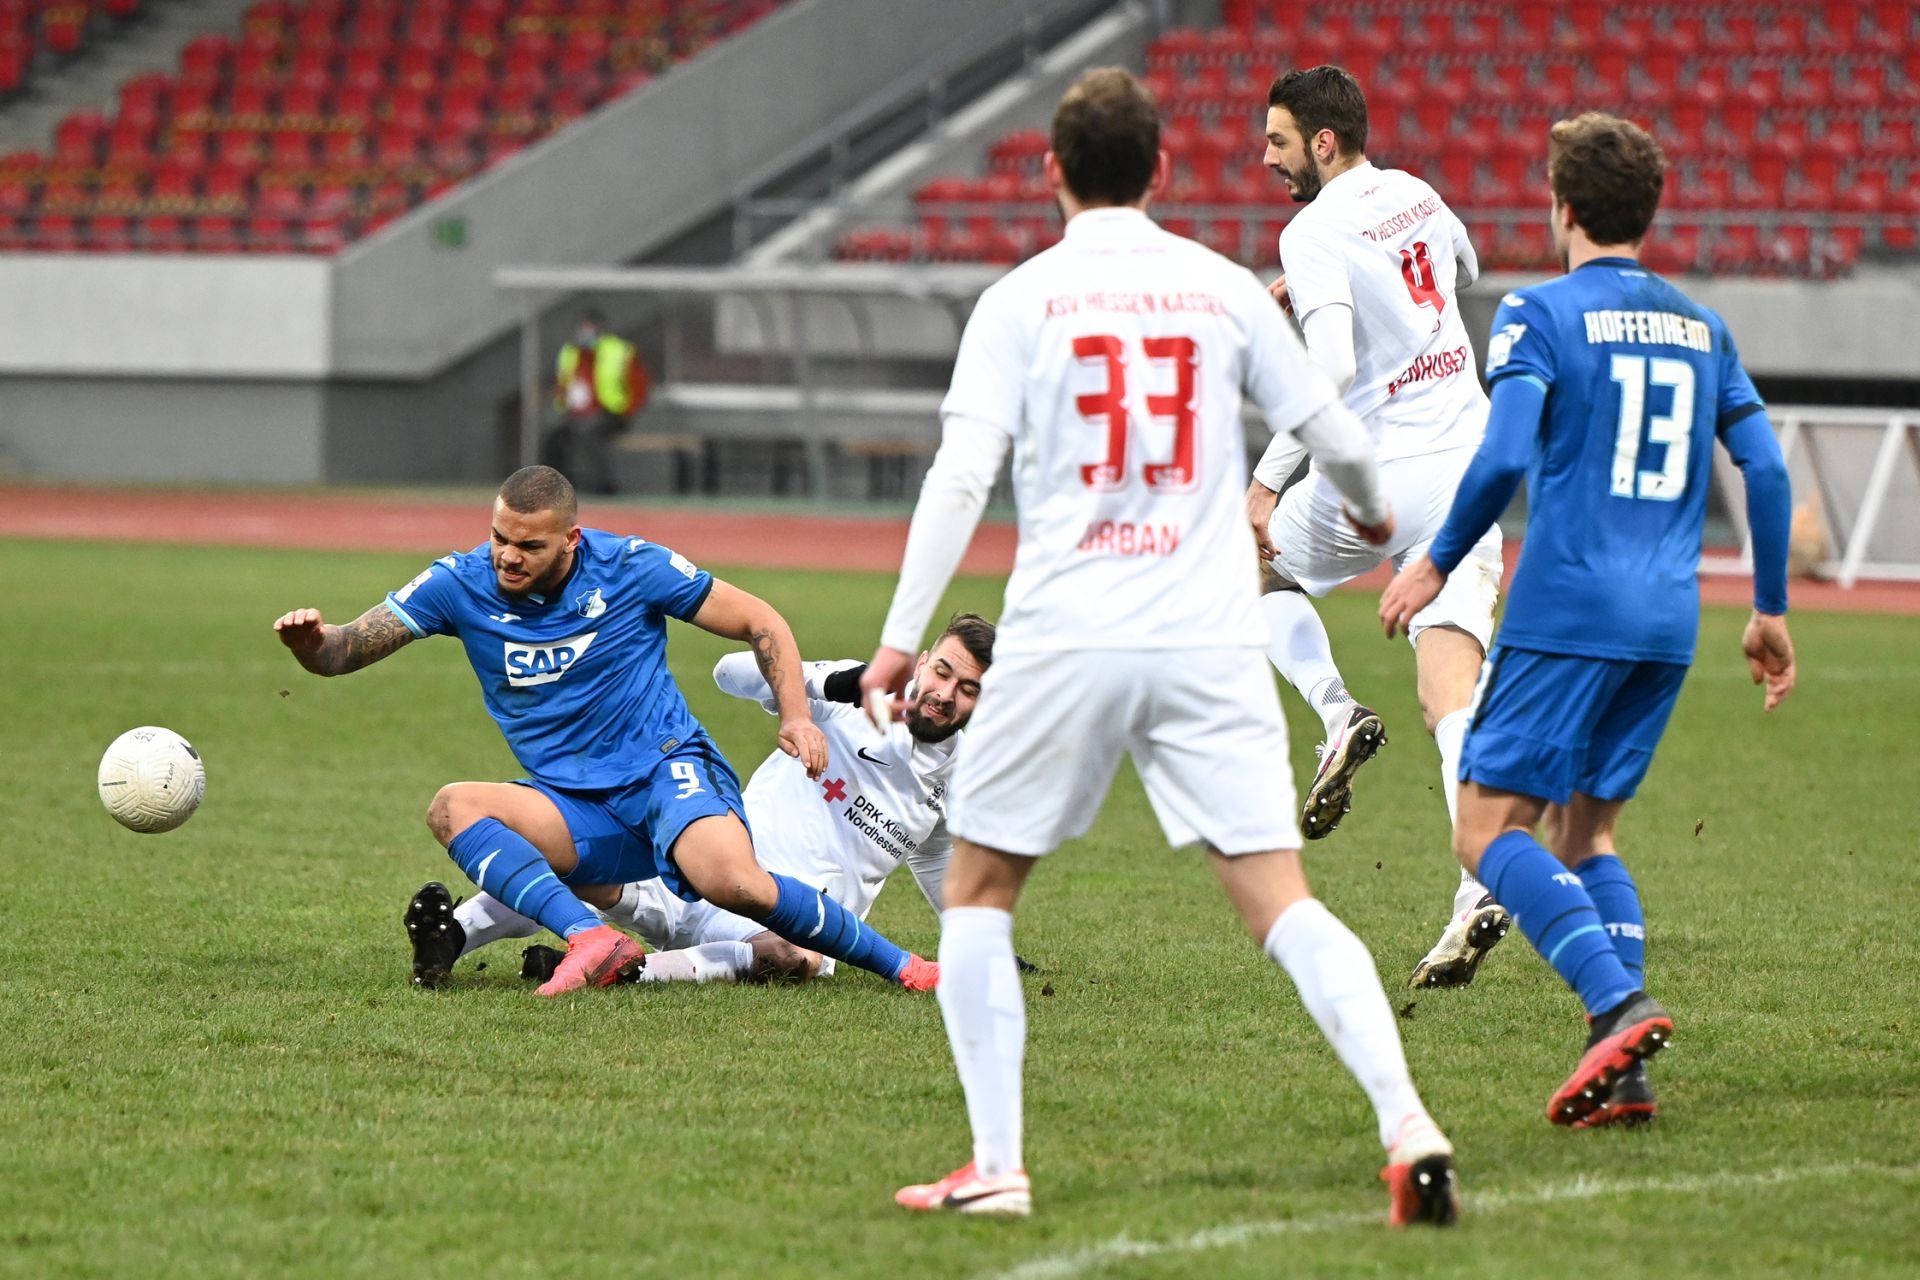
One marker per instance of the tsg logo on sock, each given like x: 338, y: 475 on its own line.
x: 544, y: 663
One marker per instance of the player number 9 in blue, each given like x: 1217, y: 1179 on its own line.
x: 689, y: 781
x: 1674, y: 429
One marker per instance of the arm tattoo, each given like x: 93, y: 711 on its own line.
x: 362, y: 642
x: 766, y: 655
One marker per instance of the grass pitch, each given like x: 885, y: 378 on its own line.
x: 216, y: 1067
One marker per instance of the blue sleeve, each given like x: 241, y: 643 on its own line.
x: 1494, y: 475
x: 1738, y: 397
x: 429, y: 605
x: 669, y: 580
x: 1521, y: 344
x: 1751, y: 444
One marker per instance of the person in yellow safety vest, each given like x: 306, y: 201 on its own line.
x: 600, y: 383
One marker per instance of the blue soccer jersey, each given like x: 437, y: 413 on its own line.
x: 577, y: 680
x: 1639, y: 382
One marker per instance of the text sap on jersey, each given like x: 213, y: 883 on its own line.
x: 1135, y: 304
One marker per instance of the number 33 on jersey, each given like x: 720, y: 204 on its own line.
x: 1123, y: 406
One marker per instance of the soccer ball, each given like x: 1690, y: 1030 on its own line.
x: 151, y: 779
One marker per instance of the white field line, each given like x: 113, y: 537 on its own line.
x: 1064, y: 1266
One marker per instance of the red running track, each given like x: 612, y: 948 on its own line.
x: 408, y: 523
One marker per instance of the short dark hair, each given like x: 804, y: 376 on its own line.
x: 1610, y: 172
x: 975, y: 635
x: 534, y: 489
x: 1325, y: 97
x: 1106, y: 137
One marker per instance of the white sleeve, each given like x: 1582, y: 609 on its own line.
x: 1284, y: 383
x: 1316, y: 271
x: 738, y: 674
x: 1343, y: 450
x: 929, y: 866
x: 1329, y: 332
x: 951, y: 499
x: 1280, y: 461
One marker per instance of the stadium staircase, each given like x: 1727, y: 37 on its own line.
x: 1791, y: 129
x: 312, y: 122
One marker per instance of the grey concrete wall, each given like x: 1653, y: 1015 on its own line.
x: 172, y: 429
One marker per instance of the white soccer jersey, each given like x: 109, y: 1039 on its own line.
x: 1383, y: 243
x: 1116, y: 362
x: 879, y: 804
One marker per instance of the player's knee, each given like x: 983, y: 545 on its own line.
x: 447, y: 815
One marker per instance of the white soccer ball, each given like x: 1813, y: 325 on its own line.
x: 151, y: 779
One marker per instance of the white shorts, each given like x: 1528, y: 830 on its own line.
x: 668, y: 922
x: 1203, y: 727
x: 1320, y: 549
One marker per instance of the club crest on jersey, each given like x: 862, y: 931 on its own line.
x: 531, y: 664
x: 1500, y: 348
x: 592, y: 604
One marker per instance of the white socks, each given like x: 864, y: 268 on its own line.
x: 708, y: 962
x: 1297, y: 645
x: 487, y: 919
x: 1341, y: 989
x: 1450, y: 735
x: 986, y: 1015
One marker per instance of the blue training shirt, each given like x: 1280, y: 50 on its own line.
x: 1638, y: 382
x: 577, y: 680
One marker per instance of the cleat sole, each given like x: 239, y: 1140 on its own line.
x: 1591, y: 1086
x: 435, y: 936
x: 1330, y: 798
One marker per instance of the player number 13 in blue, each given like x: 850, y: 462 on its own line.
x: 1673, y: 429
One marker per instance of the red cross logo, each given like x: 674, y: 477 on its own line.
x: 835, y: 790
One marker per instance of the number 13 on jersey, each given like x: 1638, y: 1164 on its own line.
x: 1108, y: 406
x: 1672, y: 429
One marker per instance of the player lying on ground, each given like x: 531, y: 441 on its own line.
x: 1610, y: 388
x: 1371, y: 265
x: 879, y: 807
x: 566, y: 631
x: 1114, y: 364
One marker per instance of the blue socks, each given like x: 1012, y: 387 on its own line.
x: 809, y: 918
x: 1558, y: 917
x: 1616, y: 897
x: 503, y: 862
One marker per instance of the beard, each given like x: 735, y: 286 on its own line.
x: 924, y: 728
x: 1305, y: 183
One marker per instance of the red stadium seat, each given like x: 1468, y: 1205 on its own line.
x: 216, y: 235
x: 79, y: 139
x: 161, y: 233
x: 63, y: 28
x: 16, y: 196
x: 204, y: 59
x: 109, y: 233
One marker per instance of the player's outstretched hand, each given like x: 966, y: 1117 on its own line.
x: 884, y: 685
x: 1769, y: 651
x: 1260, y: 504
x: 1278, y: 292
x: 300, y: 630
x: 1411, y: 590
x: 1374, y: 535
x: 802, y: 739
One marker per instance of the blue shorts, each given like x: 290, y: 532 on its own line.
x: 628, y: 834
x: 1549, y: 724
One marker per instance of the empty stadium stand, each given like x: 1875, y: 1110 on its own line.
x: 1791, y: 129
x: 322, y: 120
